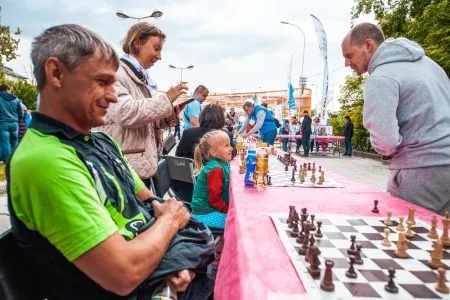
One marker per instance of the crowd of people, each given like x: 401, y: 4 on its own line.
x: 91, y: 223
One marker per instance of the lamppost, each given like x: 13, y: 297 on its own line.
x: 190, y: 67
x: 303, y: 55
x: 155, y: 14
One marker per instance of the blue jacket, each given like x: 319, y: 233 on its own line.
x: 10, y: 108
x: 269, y: 122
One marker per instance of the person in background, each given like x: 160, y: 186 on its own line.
x: 348, y: 134
x: 262, y: 120
x: 191, y: 112
x: 230, y: 125
x: 11, y: 114
x: 211, y: 190
x: 323, y: 145
x: 285, y: 130
x: 306, y: 133
x: 407, y: 113
x: 24, y: 121
x: 177, y: 132
x: 315, y: 130
x: 211, y: 118
x: 298, y: 141
x: 137, y: 120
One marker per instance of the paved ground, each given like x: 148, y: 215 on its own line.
x: 364, y: 170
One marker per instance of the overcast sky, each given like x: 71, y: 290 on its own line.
x: 234, y: 45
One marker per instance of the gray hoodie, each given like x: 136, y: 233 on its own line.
x: 407, y: 106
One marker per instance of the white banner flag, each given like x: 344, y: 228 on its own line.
x: 322, y: 38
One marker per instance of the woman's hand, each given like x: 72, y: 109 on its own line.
x: 174, y: 92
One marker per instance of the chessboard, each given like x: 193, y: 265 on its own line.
x: 413, y: 277
x: 282, y: 173
x: 283, y: 178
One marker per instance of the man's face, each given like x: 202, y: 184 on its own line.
x: 87, y: 91
x: 356, y: 56
x: 248, y: 110
x: 203, y: 95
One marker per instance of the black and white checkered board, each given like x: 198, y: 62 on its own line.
x: 283, y: 178
x: 415, y: 280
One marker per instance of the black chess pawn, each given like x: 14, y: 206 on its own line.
x: 375, y: 207
x: 352, y: 249
x: 293, y: 176
x: 391, y: 287
x: 319, y: 231
x: 320, y: 169
x: 294, y: 231
x: 291, y: 215
x: 327, y: 281
x: 358, y: 258
x: 309, y: 166
x: 269, y: 180
x: 313, y: 227
x: 351, y: 273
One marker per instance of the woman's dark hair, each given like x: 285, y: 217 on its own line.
x: 212, y: 116
x: 348, y: 118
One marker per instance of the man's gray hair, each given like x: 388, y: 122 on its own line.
x: 201, y: 89
x: 249, y: 103
x: 70, y: 43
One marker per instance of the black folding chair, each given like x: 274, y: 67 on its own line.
x: 181, y: 171
x: 161, y: 180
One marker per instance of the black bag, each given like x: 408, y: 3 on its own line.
x: 168, y: 144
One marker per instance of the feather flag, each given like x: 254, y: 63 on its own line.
x: 290, y: 90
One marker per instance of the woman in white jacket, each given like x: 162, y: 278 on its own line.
x: 135, y: 121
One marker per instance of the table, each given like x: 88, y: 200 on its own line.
x: 254, y: 264
x: 335, y: 140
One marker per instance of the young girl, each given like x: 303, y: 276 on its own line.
x: 210, y: 197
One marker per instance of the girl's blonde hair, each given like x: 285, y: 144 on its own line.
x: 208, y: 143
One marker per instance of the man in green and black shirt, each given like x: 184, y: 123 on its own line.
x: 76, y: 204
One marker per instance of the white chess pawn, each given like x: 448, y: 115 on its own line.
x: 400, y: 226
x: 388, y: 221
x: 386, y: 242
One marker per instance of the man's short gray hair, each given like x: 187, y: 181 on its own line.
x: 364, y: 31
x: 70, y: 43
x: 249, y: 103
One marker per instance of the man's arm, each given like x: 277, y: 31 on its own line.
x: 244, y: 126
x: 120, y: 266
x: 381, y: 96
x: 193, y: 113
x: 260, y: 117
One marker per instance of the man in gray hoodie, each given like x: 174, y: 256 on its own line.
x: 407, y: 113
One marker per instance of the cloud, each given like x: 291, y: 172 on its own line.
x: 233, y: 44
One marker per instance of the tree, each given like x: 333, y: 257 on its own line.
x: 424, y: 21
x: 25, y: 91
x: 8, y: 45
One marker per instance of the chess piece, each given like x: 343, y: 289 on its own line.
x: 319, y: 231
x: 375, y: 207
x: 352, y: 249
x: 303, y: 249
x: 391, y: 287
x: 351, y: 270
x: 314, y: 167
x: 411, y: 216
x: 410, y: 233
x: 300, y: 236
x: 320, y: 169
x: 386, y: 242
x: 432, y: 234
x: 444, y: 238
x: 269, y: 180
x: 388, y: 221
x: 313, y: 227
x: 309, y: 166
x: 286, y: 167
x: 291, y: 213
x: 441, y: 286
x: 358, y: 257
x: 436, y: 255
x: 327, y: 282
x: 313, y: 178
x: 314, y: 262
x: 294, y: 231
x: 400, y: 226
x: 312, y: 241
x: 293, y: 176
x: 402, y: 246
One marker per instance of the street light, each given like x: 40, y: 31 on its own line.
x: 155, y: 14
x: 181, y: 69
x: 303, y: 55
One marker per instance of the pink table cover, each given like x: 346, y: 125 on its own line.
x: 254, y: 263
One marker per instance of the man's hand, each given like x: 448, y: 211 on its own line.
x: 173, y: 211
x: 176, y: 91
x: 181, y: 280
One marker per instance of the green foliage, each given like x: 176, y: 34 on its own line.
x: 25, y: 91
x: 8, y: 45
x: 424, y: 21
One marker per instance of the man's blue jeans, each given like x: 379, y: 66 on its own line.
x: 348, y: 145
x: 269, y: 137
x: 9, y: 137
